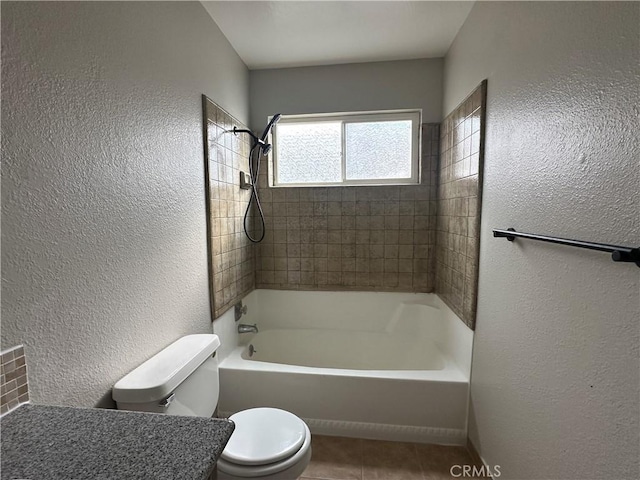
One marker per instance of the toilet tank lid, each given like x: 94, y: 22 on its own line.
x: 156, y: 378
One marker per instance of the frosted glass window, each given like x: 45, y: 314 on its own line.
x: 309, y: 152
x: 366, y: 148
x: 378, y: 150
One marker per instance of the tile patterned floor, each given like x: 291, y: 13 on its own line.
x: 338, y: 458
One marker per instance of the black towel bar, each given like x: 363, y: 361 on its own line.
x: 618, y: 252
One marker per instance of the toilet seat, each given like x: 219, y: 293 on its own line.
x: 264, y: 435
x: 266, y: 441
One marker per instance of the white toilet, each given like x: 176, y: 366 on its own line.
x: 267, y: 443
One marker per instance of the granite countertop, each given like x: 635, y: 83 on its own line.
x: 67, y: 443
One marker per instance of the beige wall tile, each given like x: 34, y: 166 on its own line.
x: 458, y: 212
x: 353, y: 236
x: 14, y: 386
x: 231, y: 255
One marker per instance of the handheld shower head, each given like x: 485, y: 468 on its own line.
x: 272, y: 123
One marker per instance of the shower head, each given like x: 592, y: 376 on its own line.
x: 272, y: 123
x: 266, y: 147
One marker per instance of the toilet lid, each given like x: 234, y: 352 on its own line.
x: 264, y: 435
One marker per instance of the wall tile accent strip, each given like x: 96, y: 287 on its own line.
x: 13, y: 379
x: 352, y: 238
x: 231, y: 254
x: 459, y: 198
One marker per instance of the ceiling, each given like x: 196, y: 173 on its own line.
x: 302, y: 33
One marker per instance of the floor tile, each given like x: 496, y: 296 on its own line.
x: 390, y: 461
x: 339, y: 458
x: 335, y: 458
x: 437, y: 460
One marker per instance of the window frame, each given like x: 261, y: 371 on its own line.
x: 413, y: 115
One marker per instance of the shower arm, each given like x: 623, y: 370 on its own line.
x: 258, y: 141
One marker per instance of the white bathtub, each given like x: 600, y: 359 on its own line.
x: 389, y: 366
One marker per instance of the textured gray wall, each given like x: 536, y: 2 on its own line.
x: 104, y: 257
x: 346, y: 88
x: 555, y: 390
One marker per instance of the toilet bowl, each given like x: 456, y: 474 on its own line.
x: 267, y: 443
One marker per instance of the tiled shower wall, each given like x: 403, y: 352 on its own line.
x: 352, y: 238
x: 231, y: 262
x: 410, y: 238
x: 459, y: 196
x: 13, y: 379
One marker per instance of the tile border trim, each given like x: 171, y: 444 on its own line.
x: 8, y: 350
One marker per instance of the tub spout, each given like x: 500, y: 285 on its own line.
x: 243, y: 328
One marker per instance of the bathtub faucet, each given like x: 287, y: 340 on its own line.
x: 243, y: 328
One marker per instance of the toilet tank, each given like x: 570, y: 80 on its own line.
x: 182, y: 379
